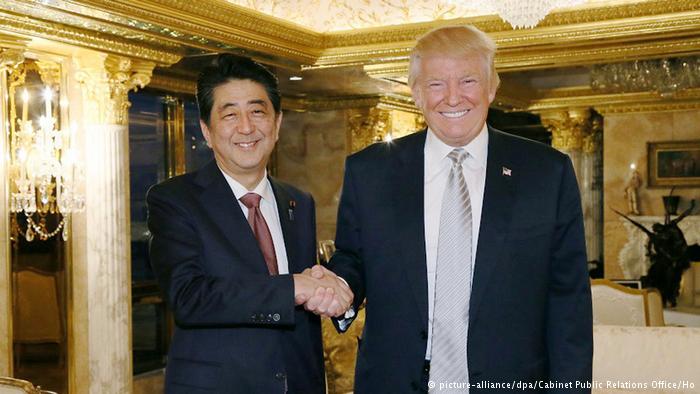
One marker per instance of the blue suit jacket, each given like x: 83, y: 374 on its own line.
x: 237, y: 328
x: 530, y: 308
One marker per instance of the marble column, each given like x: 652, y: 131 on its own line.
x: 9, y: 58
x: 577, y: 132
x: 592, y: 192
x: 100, y: 321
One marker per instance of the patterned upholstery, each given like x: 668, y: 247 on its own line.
x: 614, y: 304
x: 627, y: 358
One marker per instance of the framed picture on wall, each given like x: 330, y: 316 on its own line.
x: 674, y: 163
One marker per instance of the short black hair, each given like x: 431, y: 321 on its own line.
x: 227, y: 67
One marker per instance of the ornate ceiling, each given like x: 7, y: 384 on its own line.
x: 336, y: 15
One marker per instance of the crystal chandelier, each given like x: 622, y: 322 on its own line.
x: 44, y: 170
x: 523, y: 13
x: 663, y: 76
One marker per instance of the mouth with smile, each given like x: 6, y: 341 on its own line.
x: 454, y: 114
x: 247, y: 144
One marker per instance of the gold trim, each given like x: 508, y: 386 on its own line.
x: 24, y: 385
x: 6, y: 335
x: 604, y: 103
x: 173, y: 84
x: 641, y: 292
x: 84, y: 38
x: 174, y: 135
x: 230, y: 25
x: 602, y: 34
x: 387, y: 102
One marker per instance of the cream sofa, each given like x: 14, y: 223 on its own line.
x: 630, y: 359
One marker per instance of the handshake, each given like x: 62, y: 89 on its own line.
x: 322, y: 292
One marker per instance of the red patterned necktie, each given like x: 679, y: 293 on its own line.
x: 261, y: 231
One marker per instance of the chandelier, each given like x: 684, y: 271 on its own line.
x: 663, y: 76
x: 523, y: 13
x: 44, y: 170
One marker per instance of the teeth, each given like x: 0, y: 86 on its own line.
x: 246, y: 144
x: 454, y: 114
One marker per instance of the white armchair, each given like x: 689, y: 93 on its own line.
x: 614, y: 304
x: 646, y: 359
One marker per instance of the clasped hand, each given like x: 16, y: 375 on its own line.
x: 322, y: 292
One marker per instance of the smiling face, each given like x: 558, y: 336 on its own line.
x: 243, y: 129
x: 454, y: 95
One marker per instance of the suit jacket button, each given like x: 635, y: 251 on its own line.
x: 253, y: 317
x: 279, y: 376
x: 276, y: 317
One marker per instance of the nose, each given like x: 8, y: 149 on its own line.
x: 453, y: 94
x: 246, y: 125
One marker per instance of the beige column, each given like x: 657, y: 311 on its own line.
x: 100, y: 311
x: 567, y: 129
x: 573, y: 133
x: 9, y: 57
x: 592, y: 191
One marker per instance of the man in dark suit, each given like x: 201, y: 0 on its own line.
x: 463, y: 203
x: 229, y: 246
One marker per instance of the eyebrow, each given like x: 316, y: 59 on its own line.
x: 256, y: 101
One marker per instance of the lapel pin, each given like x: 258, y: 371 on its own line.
x: 292, y: 205
x: 506, y: 171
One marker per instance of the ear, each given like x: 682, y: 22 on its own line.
x: 492, y: 94
x: 416, y: 92
x: 278, y: 124
x: 493, y: 86
x: 205, y: 132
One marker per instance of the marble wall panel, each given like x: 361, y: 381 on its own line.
x: 311, y: 155
x: 625, y: 142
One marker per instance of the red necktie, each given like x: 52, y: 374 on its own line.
x: 261, y: 231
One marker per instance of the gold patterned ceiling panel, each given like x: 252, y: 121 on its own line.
x: 344, y: 15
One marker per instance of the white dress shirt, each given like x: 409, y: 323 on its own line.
x: 437, y: 169
x: 268, y: 207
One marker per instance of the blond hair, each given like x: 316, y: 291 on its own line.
x: 455, y: 41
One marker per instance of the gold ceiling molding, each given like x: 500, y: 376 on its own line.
x: 584, y: 97
x: 621, y: 39
x: 602, y: 53
x: 173, y: 84
x: 230, y: 26
x: 495, y: 25
x: 83, y: 38
x: 318, y: 104
x: 598, y: 34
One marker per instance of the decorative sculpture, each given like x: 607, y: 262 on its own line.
x: 668, y: 251
x: 632, y: 191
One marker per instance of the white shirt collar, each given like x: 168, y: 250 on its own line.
x: 436, y: 150
x: 263, y: 188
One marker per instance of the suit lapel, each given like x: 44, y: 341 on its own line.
x: 218, y: 200
x: 285, y: 208
x: 499, y: 194
x: 408, y: 202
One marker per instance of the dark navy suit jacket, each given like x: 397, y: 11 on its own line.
x: 530, y: 307
x: 237, y: 328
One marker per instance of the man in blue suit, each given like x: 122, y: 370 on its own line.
x: 472, y: 258
x: 229, y: 246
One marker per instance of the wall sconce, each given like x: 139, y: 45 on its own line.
x: 43, y: 171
